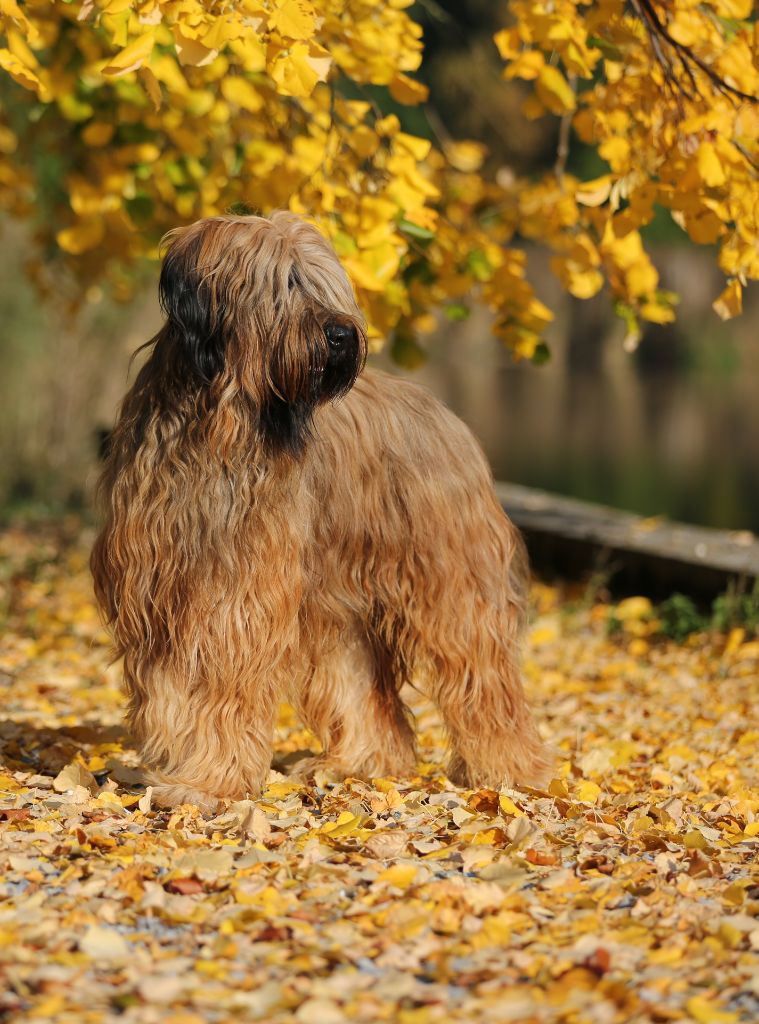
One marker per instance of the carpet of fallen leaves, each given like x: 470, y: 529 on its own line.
x: 627, y: 891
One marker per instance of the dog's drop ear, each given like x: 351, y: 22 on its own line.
x: 185, y: 299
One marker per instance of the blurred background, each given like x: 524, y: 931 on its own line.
x: 672, y: 428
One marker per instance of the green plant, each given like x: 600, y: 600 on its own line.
x: 680, y: 617
x: 736, y: 608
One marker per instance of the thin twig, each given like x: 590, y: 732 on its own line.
x: 658, y: 31
x: 565, y: 125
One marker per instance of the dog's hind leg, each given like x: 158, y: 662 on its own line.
x: 351, y: 702
x: 493, y: 737
x: 459, y: 621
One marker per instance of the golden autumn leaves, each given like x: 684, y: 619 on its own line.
x: 690, y: 148
x: 628, y: 890
x: 162, y: 111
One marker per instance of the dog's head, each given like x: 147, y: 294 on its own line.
x: 260, y: 307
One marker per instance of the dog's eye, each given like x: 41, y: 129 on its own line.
x: 338, y: 335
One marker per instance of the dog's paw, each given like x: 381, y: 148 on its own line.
x: 306, y: 768
x: 172, y: 794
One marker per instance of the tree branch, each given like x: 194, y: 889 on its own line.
x: 659, y: 35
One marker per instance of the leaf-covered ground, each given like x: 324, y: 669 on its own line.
x: 629, y: 891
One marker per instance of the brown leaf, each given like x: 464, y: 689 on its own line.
x: 537, y: 857
x: 184, y: 886
x: 15, y: 814
x: 599, y: 962
x: 484, y: 802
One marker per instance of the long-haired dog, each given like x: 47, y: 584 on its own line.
x: 281, y: 526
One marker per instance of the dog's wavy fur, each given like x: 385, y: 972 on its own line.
x: 263, y: 541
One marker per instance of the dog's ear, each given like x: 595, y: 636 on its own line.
x: 186, y: 300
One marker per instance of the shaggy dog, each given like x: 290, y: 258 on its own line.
x: 280, y: 525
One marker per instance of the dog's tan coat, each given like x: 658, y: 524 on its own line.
x: 234, y: 578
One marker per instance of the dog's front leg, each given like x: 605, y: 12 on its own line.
x: 202, y: 745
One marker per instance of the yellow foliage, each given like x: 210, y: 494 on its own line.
x: 693, y: 151
x: 170, y: 110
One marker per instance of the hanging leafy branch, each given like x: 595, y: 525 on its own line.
x: 121, y: 118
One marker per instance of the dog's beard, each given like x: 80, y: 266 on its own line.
x: 286, y: 423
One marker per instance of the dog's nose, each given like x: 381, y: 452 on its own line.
x: 338, y: 335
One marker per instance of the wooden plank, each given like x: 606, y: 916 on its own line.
x: 677, y: 554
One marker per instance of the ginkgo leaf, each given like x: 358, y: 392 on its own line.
x: 132, y: 56
x: 730, y: 302
x: 294, y: 72
x: 292, y: 18
x: 18, y: 71
x: 709, y: 165
x: 191, y: 51
x: 554, y: 91
x: 408, y: 90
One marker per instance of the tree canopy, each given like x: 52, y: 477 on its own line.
x: 122, y: 118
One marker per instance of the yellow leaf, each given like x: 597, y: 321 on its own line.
x: 738, y: 9
x: 407, y: 90
x: 465, y: 156
x: 292, y: 18
x: 694, y: 840
x: 578, y: 278
x: 508, y: 42
x: 633, y: 608
x: 709, y: 165
x: 19, y: 72
x: 132, y: 56
x: 704, y: 227
x: 50, y: 1006
x: 211, y: 969
x: 545, y: 634
x: 221, y: 31
x: 374, y: 268
x: 595, y: 192
x: 399, y: 875
x: 240, y: 91
x: 20, y: 48
x: 706, y: 1012
x: 294, y: 73
x: 279, y: 790
x: 345, y: 824
x: 554, y: 91
x: 588, y: 792
x: 527, y: 65
x: 418, y: 148
x: 616, y: 151
x: 497, y: 930
x: 657, y: 313
x: 151, y: 85
x: 734, y: 640
x: 191, y: 51
x: 508, y: 806
x: 730, y: 302
x: 309, y: 152
x: 249, y: 50
x: 98, y: 133
x: 386, y: 127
